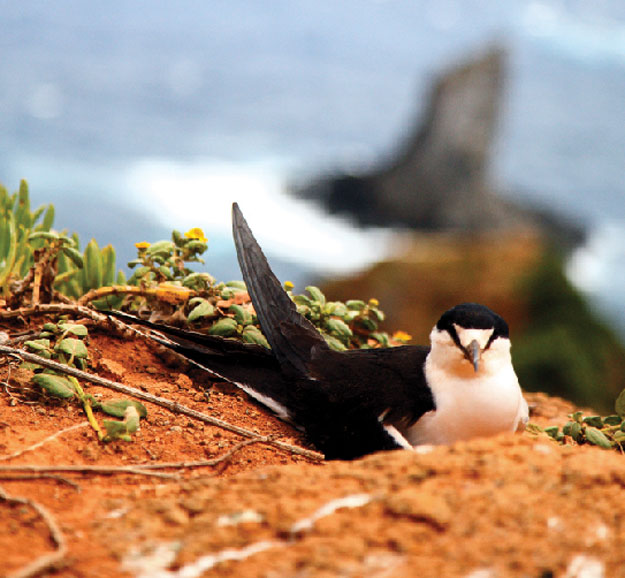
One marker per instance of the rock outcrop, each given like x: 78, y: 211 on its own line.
x: 440, y: 178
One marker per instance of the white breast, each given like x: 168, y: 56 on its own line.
x: 470, y: 404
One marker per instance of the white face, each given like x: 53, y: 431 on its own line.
x: 448, y: 356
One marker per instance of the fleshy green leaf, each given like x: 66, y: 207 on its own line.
x: 552, y: 431
x: 203, y: 309
x: 55, y: 385
x: 339, y: 328
x: 164, y: 248
x: 75, y: 329
x: 92, y: 266
x: 251, y: 334
x: 316, y: 294
x: 355, y: 304
x: 38, y: 345
x: 47, y: 235
x: 72, y: 346
x: 225, y: 327
x: 368, y: 324
x: 227, y: 293
x: 302, y: 301
x: 241, y: 314
x: 594, y: 421
x: 74, y: 255
x: 612, y: 420
x: 198, y: 281
x: 598, y: 438
x: 334, y: 343
x: 117, y: 407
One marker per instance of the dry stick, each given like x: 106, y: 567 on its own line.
x: 139, y: 469
x: 44, y: 308
x: 43, y: 441
x: 86, y: 469
x: 180, y: 294
x: 163, y: 402
x: 201, y: 463
x: 24, y: 477
x: 47, y: 561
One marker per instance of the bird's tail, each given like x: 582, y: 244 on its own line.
x: 291, y: 336
x: 246, y: 365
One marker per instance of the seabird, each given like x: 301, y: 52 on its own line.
x: 356, y: 402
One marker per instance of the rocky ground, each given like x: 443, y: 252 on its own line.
x: 515, y: 505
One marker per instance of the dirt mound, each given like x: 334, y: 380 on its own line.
x: 508, y: 506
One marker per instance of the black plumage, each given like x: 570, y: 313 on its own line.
x: 344, y: 401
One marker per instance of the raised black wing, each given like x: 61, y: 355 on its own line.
x: 291, y: 336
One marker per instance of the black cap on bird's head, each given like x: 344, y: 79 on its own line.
x: 472, y: 316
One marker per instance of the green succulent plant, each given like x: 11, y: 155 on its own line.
x: 28, y: 244
x: 166, y: 260
x: 605, y: 432
x: 224, y: 309
x: 17, y: 223
x: 66, y: 343
x: 98, y: 269
x: 353, y: 324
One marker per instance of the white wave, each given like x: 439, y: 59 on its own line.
x: 200, y: 194
x: 598, y: 269
x: 599, y: 265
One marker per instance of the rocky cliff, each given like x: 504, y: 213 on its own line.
x: 440, y: 179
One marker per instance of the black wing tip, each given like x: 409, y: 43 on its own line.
x: 240, y: 230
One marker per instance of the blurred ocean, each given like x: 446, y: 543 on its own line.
x: 137, y: 117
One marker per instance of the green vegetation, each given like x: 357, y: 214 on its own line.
x: 17, y: 223
x: 562, y: 350
x: 565, y: 349
x: 39, y: 265
x: 605, y: 432
x: 66, y: 343
x: 36, y: 262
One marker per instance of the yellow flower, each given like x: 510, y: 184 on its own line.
x: 196, y: 233
x: 142, y: 246
x: 402, y: 336
x: 288, y: 285
x: 373, y: 302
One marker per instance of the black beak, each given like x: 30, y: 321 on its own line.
x: 472, y: 353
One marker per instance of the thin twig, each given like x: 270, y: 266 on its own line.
x: 200, y: 463
x: 169, y: 292
x: 65, y: 308
x: 87, y: 469
x: 44, y: 308
x: 145, y: 469
x: 47, y: 561
x: 161, y: 401
x: 43, y: 476
x: 43, y: 441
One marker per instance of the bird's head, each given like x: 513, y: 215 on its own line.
x: 470, y: 339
